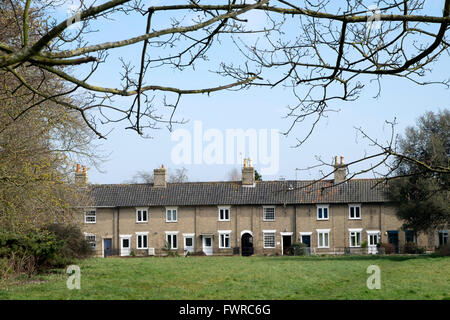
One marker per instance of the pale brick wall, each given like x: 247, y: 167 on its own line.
x: 112, y: 222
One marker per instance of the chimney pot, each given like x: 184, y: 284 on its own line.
x: 159, y: 177
x: 248, y: 176
x: 340, y: 170
x: 81, y: 178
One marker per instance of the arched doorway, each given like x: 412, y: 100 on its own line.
x: 247, y: 244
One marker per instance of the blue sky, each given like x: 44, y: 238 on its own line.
x: 258, y: 108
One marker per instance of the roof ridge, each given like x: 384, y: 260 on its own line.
x: 230, y: 182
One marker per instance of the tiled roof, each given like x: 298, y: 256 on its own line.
x: 233, y: 193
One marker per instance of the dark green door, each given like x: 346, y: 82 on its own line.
x: 393, y: 238
x: 307, y: 240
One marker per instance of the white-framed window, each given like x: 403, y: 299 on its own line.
x: 323, y: 212
x: 323, y: 238
x: 224, y: 239
x: 269, y: 239
x: 90, y: 216
x: 91, y: 239
x: 268, y: 213
x: 354, y: 211
x: 172, y: 239
x: 443, y: 237
x: 355, y: 237
x: 373, y: 237
x: 142, y: 240
x: 224, y: 213
x: 171, y: 214
x: 141, y: 215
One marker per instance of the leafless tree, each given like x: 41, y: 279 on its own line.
x: 234, y: 175
x: 142, y: 176
x: 180, y: 175
x: 321, y: 50
x: 331, y: 50
x: 39, y: 143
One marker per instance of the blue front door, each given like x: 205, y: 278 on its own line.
x: 107, y: 245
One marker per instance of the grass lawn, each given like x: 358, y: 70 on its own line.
x: 402, y: 277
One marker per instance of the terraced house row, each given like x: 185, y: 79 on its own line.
x: 244, y: 217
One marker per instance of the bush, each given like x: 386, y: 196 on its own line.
x: 412, y: 248
x: 29, y: 252
x: 5, y: 269
x: 170, y: 252
x: 74, y: 244
x: 387, y: 247
x: 198, y: 254
x: 38, y: 250
x: 298, y: 249
x: 444, y: 250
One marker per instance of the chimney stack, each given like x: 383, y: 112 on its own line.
x: 340, y: 173
x: 81, y: 178
x: 248, y: 173
x: 159, y: 177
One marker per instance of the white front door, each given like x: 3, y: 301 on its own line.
x: 372, y: 243
x: 208, y: 245
x: 189, y: 243
x: 125, y: 246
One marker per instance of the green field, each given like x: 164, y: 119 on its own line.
x: 402, y: 277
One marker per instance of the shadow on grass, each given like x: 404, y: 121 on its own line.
x: 393, y: 257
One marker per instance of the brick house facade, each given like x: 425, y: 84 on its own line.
x: 244, y: 217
